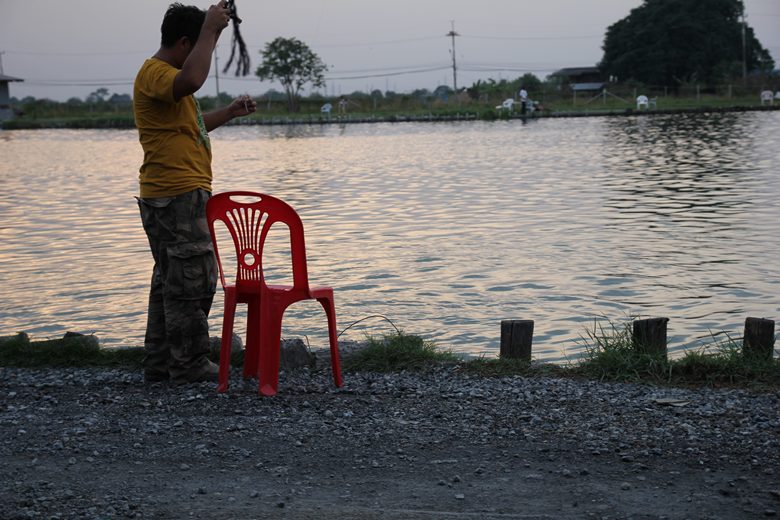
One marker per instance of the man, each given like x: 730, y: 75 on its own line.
x: 523, y: 95
x: 175, y: 181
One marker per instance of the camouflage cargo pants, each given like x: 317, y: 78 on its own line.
x: 184, y: 280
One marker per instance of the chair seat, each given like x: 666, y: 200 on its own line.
x: 253, y: 289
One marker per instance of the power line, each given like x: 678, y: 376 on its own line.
x: 532, y: 37
x: 77, y: 53
x: 371, y: 44
x: 84, y: 83
x: 387, y: 75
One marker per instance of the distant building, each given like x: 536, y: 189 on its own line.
x: 581, y: 78
x: 6, y: 112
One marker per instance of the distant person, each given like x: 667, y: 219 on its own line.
x: 523, y: 96
x: 175, y: 183
x: 343, y: 105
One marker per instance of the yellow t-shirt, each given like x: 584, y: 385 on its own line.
x: 177, y: 151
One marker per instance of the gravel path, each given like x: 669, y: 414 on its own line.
x: 99, y: 443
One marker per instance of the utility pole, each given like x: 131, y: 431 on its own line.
x: 216, y: 73
x: 453, y: 34
x: 744, y: 51
x: 1, y: 62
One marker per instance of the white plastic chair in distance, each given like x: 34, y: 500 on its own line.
x: 326, y: 108
x: 642, y: 101
x: 508, y: 104
x: 767, y: 97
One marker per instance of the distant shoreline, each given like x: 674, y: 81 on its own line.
x: 127, y: 122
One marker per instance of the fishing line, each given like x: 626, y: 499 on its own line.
x: 242, y: 60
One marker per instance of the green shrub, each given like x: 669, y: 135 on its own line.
x: 396, y: 352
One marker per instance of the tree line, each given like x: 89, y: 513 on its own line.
x: 668, y: 43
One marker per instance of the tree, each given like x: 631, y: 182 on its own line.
x: 530, y: 82
x: 442, y: 92
x: 671, y: 42
x: 294, y: 64
x: 97, y: 96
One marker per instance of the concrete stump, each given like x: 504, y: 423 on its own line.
x: 649, y: 336
x: 516, y: 339
x: 759, y: 339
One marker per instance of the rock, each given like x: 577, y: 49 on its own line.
x: 21, y: 337
x: 295, y: 354
x: 215, y: 345
x: 88, y: 340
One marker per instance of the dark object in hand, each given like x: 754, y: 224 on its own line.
x: 242, y: 61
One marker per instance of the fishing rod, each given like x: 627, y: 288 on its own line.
x: 242, y: 61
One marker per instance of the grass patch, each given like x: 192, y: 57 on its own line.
x: 75, y: 351
x: 723, y: 363
x: 611, y: 356
x: 397, y: 352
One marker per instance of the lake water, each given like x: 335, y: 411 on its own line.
x: 445, y: 229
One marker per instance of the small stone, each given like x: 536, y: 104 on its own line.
x: 625, y: 486
x: 254, y: 494
x: 184, y: 467
x: 460, y: 496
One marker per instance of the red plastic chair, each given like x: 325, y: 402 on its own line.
x: 248, y: 224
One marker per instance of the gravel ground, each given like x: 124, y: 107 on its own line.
x: 99, y: 443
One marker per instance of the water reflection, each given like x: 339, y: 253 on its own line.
x: 444, y: 228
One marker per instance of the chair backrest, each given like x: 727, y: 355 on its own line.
x: 248, y: 224
x: 766, y: 95
x: 508, y: 103
x: 327, y: 107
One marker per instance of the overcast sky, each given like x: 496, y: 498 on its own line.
x: 70, y: 48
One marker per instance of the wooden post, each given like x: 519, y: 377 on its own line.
x: 759, y: 339
x: 650, y: 336
x: 516, y: 339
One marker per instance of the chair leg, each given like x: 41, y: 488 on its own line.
x: 252, y: 352
x: 270, y: 350
x: 330, y: 310
x: 227, y: 340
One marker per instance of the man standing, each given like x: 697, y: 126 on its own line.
x: 523, y: 95
x: 175, y: 183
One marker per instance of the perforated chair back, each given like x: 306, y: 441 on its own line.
x: 248, y: 224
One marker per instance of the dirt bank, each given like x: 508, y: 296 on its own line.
x: 96, y: 443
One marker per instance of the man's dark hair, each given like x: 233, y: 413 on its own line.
x: 181, y: 20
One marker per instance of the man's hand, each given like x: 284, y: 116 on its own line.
x: 242, y: 106
x: 217, y: 18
